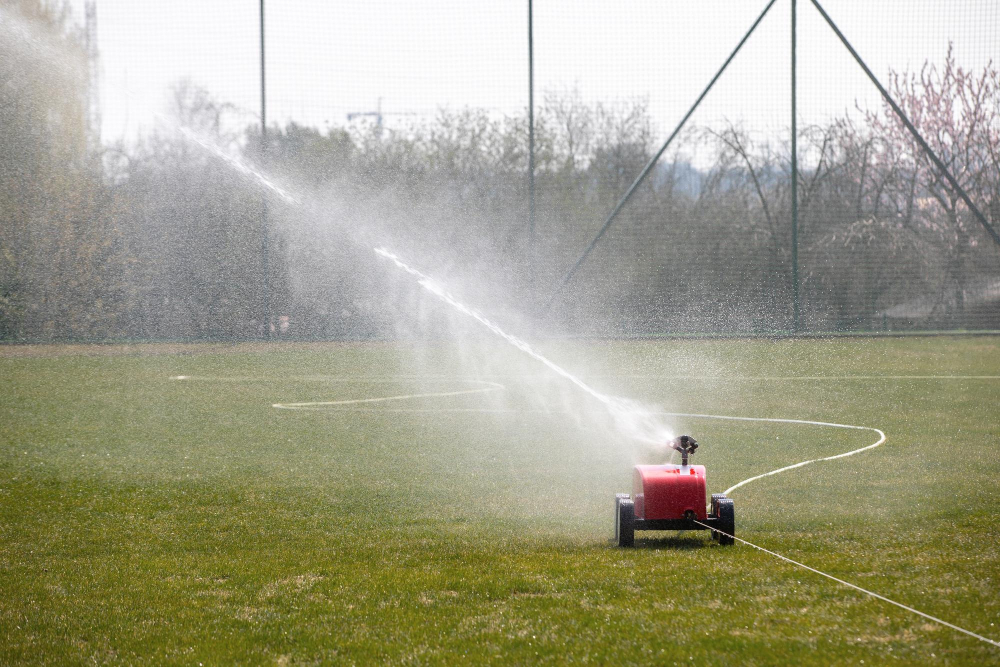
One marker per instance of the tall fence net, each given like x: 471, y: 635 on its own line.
x: 492, y: 156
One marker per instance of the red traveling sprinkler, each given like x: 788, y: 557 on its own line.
x: 672, y: 497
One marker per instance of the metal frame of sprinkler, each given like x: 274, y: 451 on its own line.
x: 924, y: 146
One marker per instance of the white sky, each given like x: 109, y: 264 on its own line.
x: 326, y: 59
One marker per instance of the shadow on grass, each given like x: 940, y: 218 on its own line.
x: 674, y: 542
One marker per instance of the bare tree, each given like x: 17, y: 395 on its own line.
x: 958, y: 114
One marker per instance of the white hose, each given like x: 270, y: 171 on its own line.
x: 875, y: 444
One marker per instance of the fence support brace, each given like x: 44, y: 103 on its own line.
x: 649, y: 165
x: 913, y: 130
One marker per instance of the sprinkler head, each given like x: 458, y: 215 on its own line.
x: 686, y: 445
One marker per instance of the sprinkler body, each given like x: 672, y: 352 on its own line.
x: 672, y: 497
x: 669, y: 492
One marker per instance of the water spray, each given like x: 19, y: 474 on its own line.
x: 632, y: 418
x: 240, y: 165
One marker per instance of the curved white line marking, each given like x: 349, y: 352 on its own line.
x: 496, y: 386
x: 318, y: 405
x: 486, y: 411
x: 384, y: 379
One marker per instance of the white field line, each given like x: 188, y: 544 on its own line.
x: 322, y: 405
x: 385, y: 379
x: 494, y: 386
x: 856, y: 587
x: 486, y: 411
x: 318, y: 405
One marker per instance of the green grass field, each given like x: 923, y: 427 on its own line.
x: 148, y: 519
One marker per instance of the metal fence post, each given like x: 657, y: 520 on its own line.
x: 795, y: 188
x: 265, y: 259
x: 531, y: 127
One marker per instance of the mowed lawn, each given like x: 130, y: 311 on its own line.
x: 150, y: 519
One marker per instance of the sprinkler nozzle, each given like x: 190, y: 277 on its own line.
x: 686, y: 445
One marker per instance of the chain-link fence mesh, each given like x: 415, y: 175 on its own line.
x: 408, y: 122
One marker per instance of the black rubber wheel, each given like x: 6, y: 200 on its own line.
x: 727, y: 521
x: 625, y: 532
x: 714, y: 511
x: 715, y: 501
x: 618, y: 500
